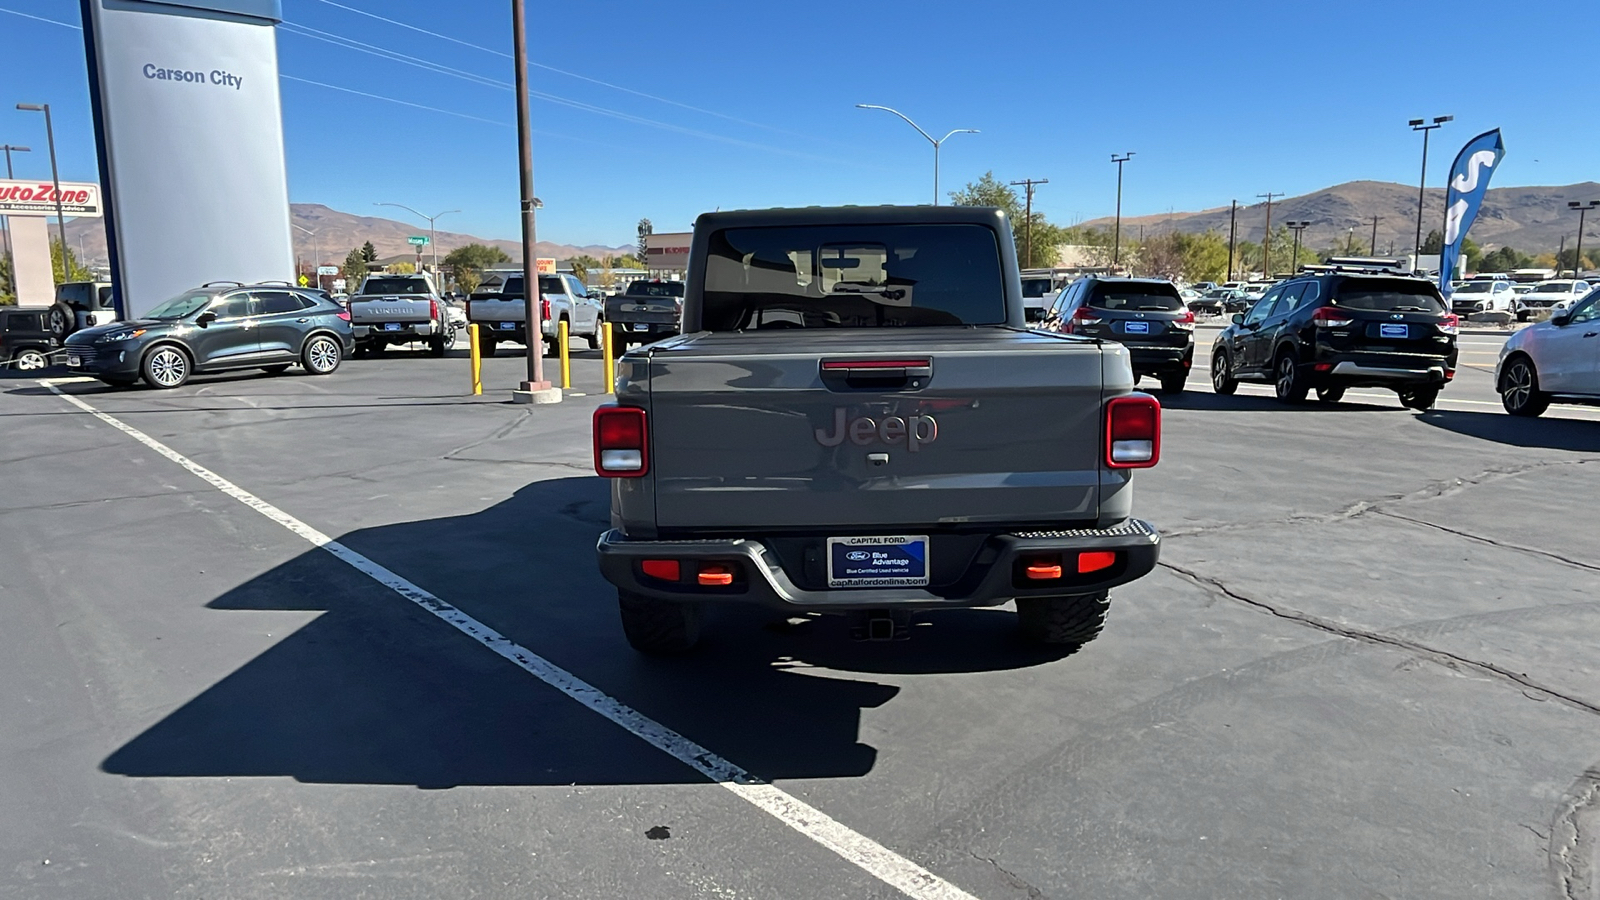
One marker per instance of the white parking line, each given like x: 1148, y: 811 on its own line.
x: 873, y: 858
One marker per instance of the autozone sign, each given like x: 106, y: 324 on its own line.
x: 36, y: 198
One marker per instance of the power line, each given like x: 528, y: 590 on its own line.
x: 42, y: 19
x: 448, y: 112
x: 548, y: 68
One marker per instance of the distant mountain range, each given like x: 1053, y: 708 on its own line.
x: 1531, y: 219
x: 339, y: 232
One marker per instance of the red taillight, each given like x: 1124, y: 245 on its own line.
x: 1133, y: 432
x: 1332, y: 317
x: 1044, y: 568
x: 664, y: 569
x: 544, y: 310
x: 343, y: 314
x: 1184, y: 322
x: 1096, y: 560
x: 433, y: 309
x: 1450, y: 325
x: 620, y: 442
x: 1082, y: 318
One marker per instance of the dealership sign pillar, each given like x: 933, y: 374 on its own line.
x: 190, y: 131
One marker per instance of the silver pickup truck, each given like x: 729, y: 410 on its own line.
x: 500, y: 313
x: 856, y: 419
x: 400, y: 309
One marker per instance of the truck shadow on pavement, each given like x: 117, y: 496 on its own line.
x: 375, y: 690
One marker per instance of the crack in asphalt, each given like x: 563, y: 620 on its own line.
x: 1011, y: 880
x: 70, y: 504
x: 1571, y: 848
x: 1374, y: 637
x: 1491, y: 541
x: 497, y: 434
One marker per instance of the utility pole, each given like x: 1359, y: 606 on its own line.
x: 55, y: 177
x: 1422, y: 187
x: 536, y: 389
x: 1233, y: 227
x: 1266, y: 242
x: 1027, y: 226
x: 1375, y: 221
x: 1116, y: 240
x: 1297, y: 228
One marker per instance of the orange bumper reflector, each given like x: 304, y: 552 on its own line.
x: 716, y: 576
x: 664, y: 569
x: 1047, y: 569
x: 1095, y: 560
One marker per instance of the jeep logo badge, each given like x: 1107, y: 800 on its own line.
x: 913, y: 431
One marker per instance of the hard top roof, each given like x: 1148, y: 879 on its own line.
x: 852, y: 215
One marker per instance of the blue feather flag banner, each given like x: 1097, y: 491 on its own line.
x: 1469, y: 181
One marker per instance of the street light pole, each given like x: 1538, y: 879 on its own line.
x: 9, y: 148
x: 1374, y: 247
x: 1027, y: 225
x: 1297, y: 228
x: 1577, y: 255
x: 1422, y: 187
x: 316, y: 250
x: 1116, y: 238
x: 534, y: 315
x: 55, y: 177
x: 432, y: 232
x: 936, y: 143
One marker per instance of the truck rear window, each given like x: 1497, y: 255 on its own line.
x: 864, y: 276
x: 655, y: 289
x: 1136, y: 297
x: 394, y: 286
x: 1390, y: 295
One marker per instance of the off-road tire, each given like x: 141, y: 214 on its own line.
x: 439, y: 344
x: 1526, y: 399
x: 1287, y: 381
x: 658, y: 627
x: 61, y: 321
x: 1173, y: 384
x: 1222, y: 380
x: 1063, y: 621
x: 487, y: 346
x: 1330, y: 394
x: 1420, y: 399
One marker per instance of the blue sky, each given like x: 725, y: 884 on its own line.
x: 1219, y: 101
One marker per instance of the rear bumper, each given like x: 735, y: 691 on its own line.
x: 1383, y: 370
x: 991, y: 580
x: 1148, y: 359
x: 407, y: 329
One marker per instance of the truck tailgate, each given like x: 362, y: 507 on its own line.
x: 497, y: 310
x: 366, y: 310
x: 809, y: 430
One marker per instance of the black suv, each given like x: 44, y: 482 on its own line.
x: 25, y: 339
x: 221, y: 325
x: 1339, y: 328
x: 1145, y: 314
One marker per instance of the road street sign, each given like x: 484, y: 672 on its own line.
x: 418, y: 240
x: 327, y: 270
x: 304, y: 281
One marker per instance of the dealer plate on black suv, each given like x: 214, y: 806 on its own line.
x: 893, y: 561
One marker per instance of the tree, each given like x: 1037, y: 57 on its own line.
x: 1433, y: 243
x: 630, y: 262
x: 466, y: 264
x: 645, y: 230
x: 1505, y: 259
x: 354, y: 269
x: 8, y: 291
x: 403, y: 268
x: 582, y: 266
x: 1046, y: 238
x: 369, y: 253
x: 65, y: 266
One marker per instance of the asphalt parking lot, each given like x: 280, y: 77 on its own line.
x: 1365, y: 667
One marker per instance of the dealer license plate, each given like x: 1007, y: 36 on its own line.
x: 1136, y: 328
x: 74, y: 360
x: 1394, y: 331
x: 508, y: 326
x: 894, y: 561
x: 391, y: 326
x: 641, y: 326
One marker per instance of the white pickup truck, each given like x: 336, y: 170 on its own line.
x: 400, y: 309
x: 501, y: 314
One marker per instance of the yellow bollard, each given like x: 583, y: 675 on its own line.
x: 605, y: 359
x: 566, y: 354
x: 477, y: 360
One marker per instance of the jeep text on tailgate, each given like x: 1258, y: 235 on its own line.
x: 856, y: 419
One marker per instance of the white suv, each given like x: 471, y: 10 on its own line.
x: 1484, y: 296
x: 1556, y: 295
x: 1553, y: 362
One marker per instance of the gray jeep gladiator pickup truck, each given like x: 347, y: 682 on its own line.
x: 856, y: 419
